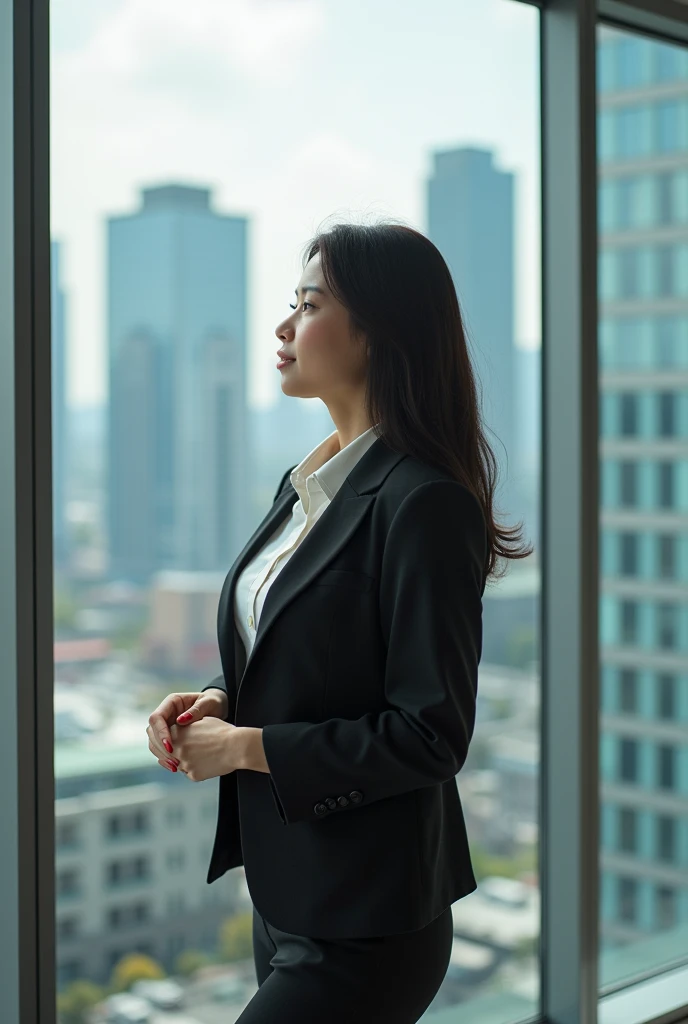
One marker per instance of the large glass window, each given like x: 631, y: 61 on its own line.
x: 195, y: 148
x: 644, y: 897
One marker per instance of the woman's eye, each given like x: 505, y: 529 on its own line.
x: 305, y: 304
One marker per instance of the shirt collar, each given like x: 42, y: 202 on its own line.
x: 328, y: 465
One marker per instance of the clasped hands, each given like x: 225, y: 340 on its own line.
x: 186, y: 733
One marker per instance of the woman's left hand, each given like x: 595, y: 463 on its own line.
x: 206, y: 749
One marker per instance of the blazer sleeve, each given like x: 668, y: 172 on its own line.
x: 431, y: 584
x: 219, y: 681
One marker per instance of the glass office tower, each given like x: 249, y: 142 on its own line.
x: 643, y: 359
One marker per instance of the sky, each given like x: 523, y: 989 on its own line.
x: 295, y: 113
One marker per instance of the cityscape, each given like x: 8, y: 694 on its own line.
x: 156, y: 490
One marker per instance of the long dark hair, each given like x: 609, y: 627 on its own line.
x: 421, y: 385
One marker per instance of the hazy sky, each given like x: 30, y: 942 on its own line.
x: 294, y: 112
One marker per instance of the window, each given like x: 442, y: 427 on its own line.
x: 128, y: 915
x: 628, y: 680
x: 202, y: 135
x: 626, y: 190
x: 666, y: 625
x: 643, y: 340
x: 628, y: 830
x: 666, y: 838
x: 68, y: 882
x: 628, y: 900
x: 665, y: 210
x: 667, y: 556
x: 666, y: 489
x: 665, y: 907
x: 174, y: 259
x: 67, y: 928
x: 667, y: 344
x: 665, y: 269
x: 668, y: 121
x: 629, y: 414
x: 629, y: 621
x: 633, y: 131
x: 67, y: 835
x: 666, y: 696
x: 631, y: 59
x: 126, y: 871
x: 628, y: 760
x: 667, y: 413
x: 126, y: 824
x: 666, y: 62
x: 629, y: 475
x: 629, y: 554
x: 666, y: 766
x: 628, y: 269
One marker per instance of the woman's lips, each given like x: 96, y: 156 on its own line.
x: 285, y: 362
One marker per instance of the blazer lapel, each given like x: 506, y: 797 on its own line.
x: 322, y: 543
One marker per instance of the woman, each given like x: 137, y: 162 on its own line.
x: 350, y: 648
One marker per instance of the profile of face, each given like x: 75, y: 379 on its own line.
x: 329, y: 362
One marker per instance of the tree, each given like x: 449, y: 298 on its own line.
x: 74, y: 1003
x: 190, y: 960
x: 236, y: 937
x: 65, y: 609
x: 135, y: 967
x: 484, y: 863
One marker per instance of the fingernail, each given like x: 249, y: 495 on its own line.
x: 184, y: 718
x: 167, y: 745
x: 171, y: 766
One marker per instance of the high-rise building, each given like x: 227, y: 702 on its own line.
x: 470, y: 218
x: 643, y: 345
x: 177, y: 439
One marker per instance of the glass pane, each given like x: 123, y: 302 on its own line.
x: 643, y: 188
x: 196, y: 147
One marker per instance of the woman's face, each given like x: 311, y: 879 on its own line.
x: 329, y: 363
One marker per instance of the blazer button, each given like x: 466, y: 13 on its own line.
x: 355, y: 796
x: 320, y: 809
x: 342, y: 801
x: 331, y: 803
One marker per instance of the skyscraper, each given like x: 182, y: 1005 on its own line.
x: 177, y: 437
x: 643, y: 345
x: 470, y: 218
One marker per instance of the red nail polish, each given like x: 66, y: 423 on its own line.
x: 167, y: 745
x: 184, y: 718
x: 172, y: 766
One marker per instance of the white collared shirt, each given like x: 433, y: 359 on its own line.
x: 316, y: 479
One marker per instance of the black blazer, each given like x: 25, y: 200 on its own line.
x: 363, y: 678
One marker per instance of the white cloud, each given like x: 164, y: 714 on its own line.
x: 149, y: 41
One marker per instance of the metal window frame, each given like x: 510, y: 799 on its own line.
x: 569, y: 779
x: 569, y: 776
x: 27, y: 954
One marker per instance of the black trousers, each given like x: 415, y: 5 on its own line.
x: 387, y: 980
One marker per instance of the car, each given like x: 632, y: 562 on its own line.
x: 126, y: 1008
x: 165, y: 994
x: 229, y: 989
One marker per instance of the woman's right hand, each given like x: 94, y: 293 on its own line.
x: 189, y: 707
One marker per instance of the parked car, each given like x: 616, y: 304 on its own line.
x: 165, y: 994
x: 229, y: 989
x: 126, y: 1008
